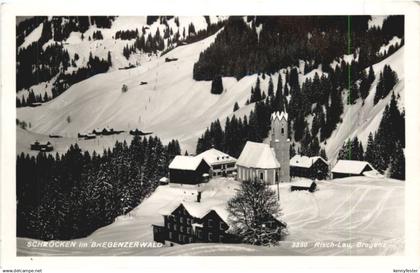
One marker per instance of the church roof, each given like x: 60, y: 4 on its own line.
x: 214, y: 156
x: 258, y: 155
x: 350, y: 166
x: 304, y: 161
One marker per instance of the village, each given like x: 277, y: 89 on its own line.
x: 194, y: 221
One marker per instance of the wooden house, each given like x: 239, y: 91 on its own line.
x: 188, y: 170
x: 193, y: 223
x: 42, y: 146
x: 314, y: 167
x: 347, y: 168
x: 221, y: 163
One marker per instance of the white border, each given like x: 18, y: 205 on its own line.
x: 8, y: 259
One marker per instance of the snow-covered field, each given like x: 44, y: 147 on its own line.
x: 350, y: 216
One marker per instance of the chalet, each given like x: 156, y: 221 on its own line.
x: 90, y: 136
x: 189, y: 222
x: 137, y: 132
x: 258, y: 161
x: 314, y: 167
x: 107, y: 131
x: 221, y: 164
x: 42, y: 146
x: 193, y: 223
x: 188, y: 170
x: 268, y: 162
x: 346, y: 168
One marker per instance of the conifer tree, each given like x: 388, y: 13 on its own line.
x: 217, y: 85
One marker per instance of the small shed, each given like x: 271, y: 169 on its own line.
x: 346, y: 168
x: 188, y: 170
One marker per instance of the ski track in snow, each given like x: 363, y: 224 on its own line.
x: 349, y: 210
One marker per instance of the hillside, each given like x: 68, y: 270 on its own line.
x: 173, y: 105
x: 368, y: 210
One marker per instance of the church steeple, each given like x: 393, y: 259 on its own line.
x: 280, y: 143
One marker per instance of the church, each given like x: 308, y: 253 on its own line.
x: 268, y: 162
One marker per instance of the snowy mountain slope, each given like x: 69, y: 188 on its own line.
x: 171, y: 104
x: 80, y: 44
x: 368, y: 210
x: 360, y: 119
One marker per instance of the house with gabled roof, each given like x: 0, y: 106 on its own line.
x: 346, y: 168
x: 314, y: 167
x: 188, y: 170
x: 221, y: 163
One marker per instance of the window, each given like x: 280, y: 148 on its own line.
x: 262, y: 176
x: 181, y: 228
x: 188, y: 221
x: 191, y: 240
x: 199, y: 234
x: 210, y: 237
x: 171, y: 236
x: 188, y: 230
x: 179, y: 237
x: 169, y: 225
x: 175, y: 227
x: 282, y: 131
x: 221, y: 238
x: 210, y: 223
x: 221, y: 225
x: 277, y: 177
x: 181, y: 220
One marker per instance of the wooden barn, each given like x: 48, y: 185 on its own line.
x: 42, y: 146
x: 188, y: 170
x: 314, y: 167
x: 221, y: 164
x: 258, y: 161
x: 193, y: 223
x: 346, y: 168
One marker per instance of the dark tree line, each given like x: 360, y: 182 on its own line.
x: 127, y: 34
x: 387, y: 80
x: 27, y: 26
x: 97, y: 35
x: 384, y: 148
x: 36, y: 64
x: 69, y: 196
x: 241, y: 50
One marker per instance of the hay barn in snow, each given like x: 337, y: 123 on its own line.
x: 188, y: 170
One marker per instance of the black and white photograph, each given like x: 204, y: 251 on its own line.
x: 210, y: 135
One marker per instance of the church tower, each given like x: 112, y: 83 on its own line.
x: 280, y: 143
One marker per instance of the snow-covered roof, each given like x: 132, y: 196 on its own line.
x: 164, y: 179
x: 350, y: 166
x: 182, y: 162
x: 214, y: 156
x: 304, y: 161
x: 279, y: 115
x: 197, y: 210
x: 258, y: 155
